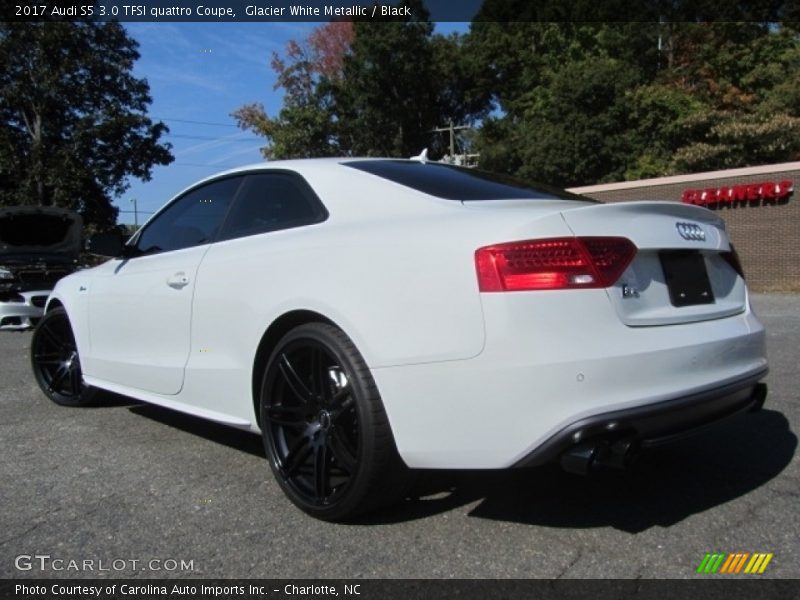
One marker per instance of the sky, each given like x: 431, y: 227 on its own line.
x: 199, y: 73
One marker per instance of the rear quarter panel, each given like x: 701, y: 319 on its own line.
x: 401, y: 290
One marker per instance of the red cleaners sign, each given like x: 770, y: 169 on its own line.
x: 747, y: 194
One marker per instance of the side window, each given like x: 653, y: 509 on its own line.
x: 191, y: 220
x: 272, y: 201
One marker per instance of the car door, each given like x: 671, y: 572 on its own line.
x: 238, y: 284
x: 140, y: 307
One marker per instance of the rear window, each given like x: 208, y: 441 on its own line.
x: 457, y: 183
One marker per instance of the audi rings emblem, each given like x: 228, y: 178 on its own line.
x: 691, y: 232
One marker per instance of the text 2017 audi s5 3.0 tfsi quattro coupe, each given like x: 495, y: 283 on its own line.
x: 371, y: 316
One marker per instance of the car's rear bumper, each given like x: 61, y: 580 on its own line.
x: 553, y: 361
x: 657, y: 423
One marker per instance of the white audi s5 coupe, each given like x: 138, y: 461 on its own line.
x: 368, y: 317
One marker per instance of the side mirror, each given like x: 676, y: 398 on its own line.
x: 110, y: 244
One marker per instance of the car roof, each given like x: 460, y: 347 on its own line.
x: 295, y: 164
x: 334, y: 179
x: 306, y: 167
x: 300, y: 165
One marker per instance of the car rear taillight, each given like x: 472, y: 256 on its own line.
x: 732, y: 258
x: 553, y: 264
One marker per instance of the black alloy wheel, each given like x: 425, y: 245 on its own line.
x: 55, y: 361
x: 326, y: 433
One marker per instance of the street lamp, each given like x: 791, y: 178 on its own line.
x: 135, y: 213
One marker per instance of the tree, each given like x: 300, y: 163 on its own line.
x: 388, y: 106
x: 663, y: 118
x: 730, y: 98
x: 563, y: 90
x: 308, y: 72
x: 75, y: 123
x: 583, y: 101
x: 573, y: 128
x: 735, y: 141
x: 380, y: 91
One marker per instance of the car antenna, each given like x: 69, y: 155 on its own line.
x: 421, y: 157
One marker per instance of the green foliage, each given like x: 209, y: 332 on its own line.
x: 399, y: 83
x: 564, y: 90
x: 582, y: 103
x: 382, y: 93
x: 74, y: 117
x: 662, y: 119
x: 573, y: 127
x: 386, y: 104
x: 759, y: 139
x: 308, y: 73
x: 567, y: 93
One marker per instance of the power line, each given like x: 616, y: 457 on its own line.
x: 210, y: 139
x: 185, y: 164
x: 196, y: 122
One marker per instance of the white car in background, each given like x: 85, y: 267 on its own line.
x: 38, y: 246
x: 367, y: 316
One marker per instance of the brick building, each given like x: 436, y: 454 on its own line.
x: 758, y: 204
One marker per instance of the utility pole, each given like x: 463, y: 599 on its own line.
x: 660, y: 23
x: 452, y: 129
x: 463, y: 159
x: 135, y: 213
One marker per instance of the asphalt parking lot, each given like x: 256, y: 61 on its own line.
x: 128, y: 482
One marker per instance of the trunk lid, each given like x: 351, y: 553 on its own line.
x: 679, y: 274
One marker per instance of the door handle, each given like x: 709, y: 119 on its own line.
x: 178, y: 280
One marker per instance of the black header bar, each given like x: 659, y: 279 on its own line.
x: 382, y: 10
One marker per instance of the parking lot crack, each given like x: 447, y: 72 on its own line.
x: 572, y: 563
x: 19, y: 535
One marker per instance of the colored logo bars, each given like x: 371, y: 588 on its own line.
x: 739, y: 562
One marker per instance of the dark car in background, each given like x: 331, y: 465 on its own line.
x: 38, y: 246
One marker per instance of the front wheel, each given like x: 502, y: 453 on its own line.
x: 55, y: 361
x: 326, y: 433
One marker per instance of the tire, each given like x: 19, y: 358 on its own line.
x: 55, y: 361
x: 325, y: 431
